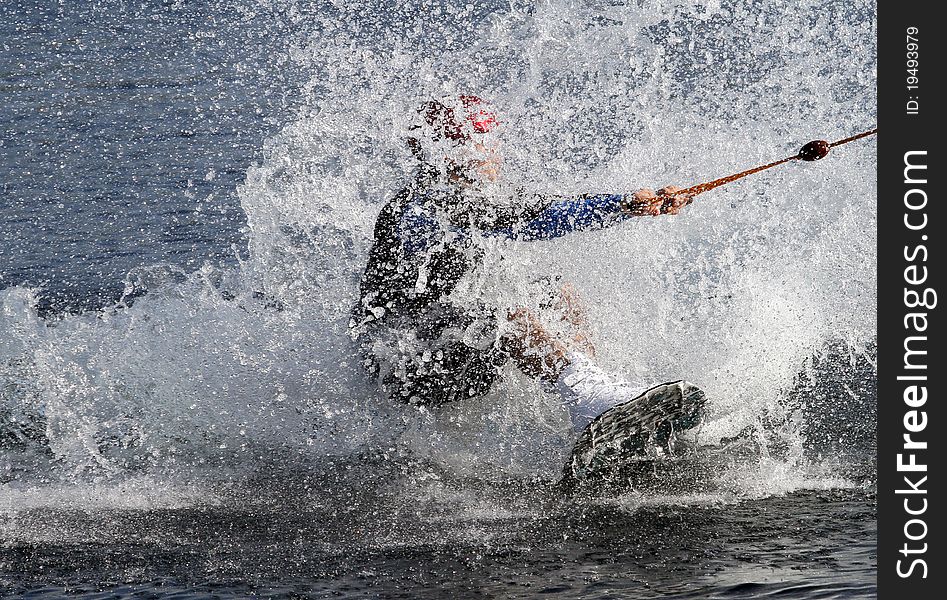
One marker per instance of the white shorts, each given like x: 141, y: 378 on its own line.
x: 588, y: 391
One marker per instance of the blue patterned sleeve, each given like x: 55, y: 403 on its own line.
x: 567, y: 215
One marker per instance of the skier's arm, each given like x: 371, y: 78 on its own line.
x: 592, y: 212
x: 571, y: 214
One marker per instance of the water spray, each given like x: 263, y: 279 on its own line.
x: 814, y: 150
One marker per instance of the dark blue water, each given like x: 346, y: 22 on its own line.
x: 126, y: 130
x: 805, y: 545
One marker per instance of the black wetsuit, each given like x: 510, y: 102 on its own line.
x: 423, y: 348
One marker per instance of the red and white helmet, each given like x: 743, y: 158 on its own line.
x: 459, y: 119
x: 451, y: 122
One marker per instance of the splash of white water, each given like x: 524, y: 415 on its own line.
x: 226, y: 367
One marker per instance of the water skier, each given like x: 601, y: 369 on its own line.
x: 426, y: 349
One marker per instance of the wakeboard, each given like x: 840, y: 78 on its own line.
x: 635, y: 436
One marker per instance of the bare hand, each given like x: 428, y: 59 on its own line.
x: 667, y: 201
